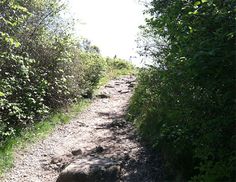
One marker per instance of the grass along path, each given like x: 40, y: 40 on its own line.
x: 37, y: 132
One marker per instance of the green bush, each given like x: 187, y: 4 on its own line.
x: 185, y: 104
x: 117, y: 63
x: 88, y: 69
x: 42, y: 67
x: 116, y: 66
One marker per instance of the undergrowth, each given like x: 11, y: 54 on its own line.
x: 184, y: 104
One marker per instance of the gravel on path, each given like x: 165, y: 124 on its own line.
x: 99, y: 130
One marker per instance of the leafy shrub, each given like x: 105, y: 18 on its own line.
x: 117, y: 66
x: 88, y: 69
x: 185, y: 104
x: 42, y: 68
x: 117, y: 63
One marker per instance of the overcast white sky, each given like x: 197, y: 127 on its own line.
x: 112, y: 25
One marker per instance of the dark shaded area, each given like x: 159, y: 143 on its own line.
x: 146, y: 166
x: 184, y: 104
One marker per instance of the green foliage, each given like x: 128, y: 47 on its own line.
x: 185, y: 104
x: 117, y: 63
x: 42, y: 66
x: 86, y: 46
x: 87, y: 69
x: 117, y: 67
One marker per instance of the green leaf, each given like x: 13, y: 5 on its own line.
x: 190, y: 29
x: 197, y: 3
x: 2, y: 94
x: 17, y: 44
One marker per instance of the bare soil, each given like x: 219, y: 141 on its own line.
x: 101, y: 130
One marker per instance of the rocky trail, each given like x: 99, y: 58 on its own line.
x: 97, y: 145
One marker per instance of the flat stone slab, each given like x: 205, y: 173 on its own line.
x: 91, y: 169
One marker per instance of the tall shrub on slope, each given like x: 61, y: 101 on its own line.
x: 186, y: 105
x: 17, y: 101
x: 38, y: 60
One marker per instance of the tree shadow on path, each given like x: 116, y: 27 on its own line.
x: 139, y: 163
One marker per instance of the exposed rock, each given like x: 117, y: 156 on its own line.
x: 109, y: 86
x: 99, y: 149
x: 131, y: 85
x: 56, y: 160
x: 124, y: 91
x: 129, y: 80
x: 60, y: 162
x: 103, y: 95
x: 117, y: 123
x: 76, y: 152
x: 54, y: 166
x: 119, y: 82
x: 91, y: 169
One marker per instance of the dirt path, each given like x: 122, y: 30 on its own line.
x: 99, y: 130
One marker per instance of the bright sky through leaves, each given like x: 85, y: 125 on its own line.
x: 112, y: 25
